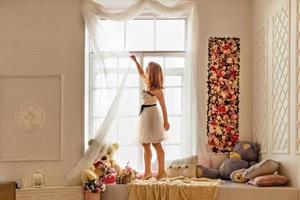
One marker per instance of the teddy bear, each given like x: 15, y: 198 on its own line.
x: 105, y: 158
x: 244, y: 155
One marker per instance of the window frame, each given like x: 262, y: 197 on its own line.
x: 141, y: 55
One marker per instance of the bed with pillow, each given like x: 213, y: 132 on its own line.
x: 226, y: 191
x: 261, y: 174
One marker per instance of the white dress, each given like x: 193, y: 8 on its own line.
x: 150, y: 125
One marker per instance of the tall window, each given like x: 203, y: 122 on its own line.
x: 159, y: 40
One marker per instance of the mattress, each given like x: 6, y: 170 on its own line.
x: 227, y: 191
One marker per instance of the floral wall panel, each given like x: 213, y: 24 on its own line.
x: 223, y: 93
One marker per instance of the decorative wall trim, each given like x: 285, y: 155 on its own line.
x: 280, y: 80
x: 30, y: 117
x: 297, y: 138
x: 261, y: 88
x: 60, y: 90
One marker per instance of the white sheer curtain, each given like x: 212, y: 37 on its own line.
x: 194, y: 138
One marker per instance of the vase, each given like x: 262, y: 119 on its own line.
x: 92, y: 196
x: 39, y: 179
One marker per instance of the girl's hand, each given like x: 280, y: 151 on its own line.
x: 166, y: 125
x: 133, y: 57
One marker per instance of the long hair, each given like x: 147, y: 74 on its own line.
x: 155, y: 76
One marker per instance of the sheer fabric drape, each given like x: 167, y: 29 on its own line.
x: 194, y: 136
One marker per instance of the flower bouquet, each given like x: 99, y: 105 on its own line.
x: 126, y: 175
x: 109, y: 173
x: 92, y: 189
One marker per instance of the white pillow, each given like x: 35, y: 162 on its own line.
x: 183, y: 167
x: 262, y: 168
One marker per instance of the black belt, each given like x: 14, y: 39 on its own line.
x: 145, y: 106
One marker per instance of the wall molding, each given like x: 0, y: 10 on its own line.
x: 297, y: 138
x: 281, y: 81
x: 60, y: 89
x: 261, y: 87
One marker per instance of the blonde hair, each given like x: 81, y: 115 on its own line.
x: 155, y: 76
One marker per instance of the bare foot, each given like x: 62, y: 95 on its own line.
x: 147, y: 176
x: 161, y: 175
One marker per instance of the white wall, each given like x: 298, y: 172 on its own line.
x: 231, y: 18
x: 44, y: 38
x: 286, y: 152
x: 47, y: 38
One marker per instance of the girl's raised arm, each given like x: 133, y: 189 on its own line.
x: 139, y: 68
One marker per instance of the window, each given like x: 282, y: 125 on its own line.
x: 159, y: 40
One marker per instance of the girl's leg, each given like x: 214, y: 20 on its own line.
x: 161, y: 159
x: 147, y: 160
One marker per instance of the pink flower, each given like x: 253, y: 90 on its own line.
x: 234, y: 116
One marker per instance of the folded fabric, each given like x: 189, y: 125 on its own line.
x: 269, y: 180
x: 176, y: 188
x: 183, y: 167
x: 262, y: 168
x: 237, y: 176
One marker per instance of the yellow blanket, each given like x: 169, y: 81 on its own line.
x: 178, y: 188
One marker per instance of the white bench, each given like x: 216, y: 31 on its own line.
x: 50, y: 193
x: 227, y: 191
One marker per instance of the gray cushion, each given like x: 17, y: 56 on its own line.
x: 207, y: 172
x: 230, y: 165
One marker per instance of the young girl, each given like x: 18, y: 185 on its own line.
x: 152, y: 125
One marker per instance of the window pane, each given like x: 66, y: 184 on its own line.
x: 112, y: 35
x: 140, y: 35
x: 130, y: 102
x: 102, y: 101
x: 172, y: 80
x: 173, y: 100
x: 127, y: 130
x: 106, y: 81
x: 125, y: 62
x: 170, y: 34
x: 112, y: 136
x: 159, y: 60
x: 127, y: 154
x: 132, y: 80
x: 174, y: 131
x: 174, y: 62
x: 172, y: 152
x: 108, y: 63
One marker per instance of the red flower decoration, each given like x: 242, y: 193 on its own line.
x: 223, y: 91
x: 222, y: 109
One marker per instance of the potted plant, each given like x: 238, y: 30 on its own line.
x: 92, y: 189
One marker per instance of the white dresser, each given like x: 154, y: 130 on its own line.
x: 50, y: 193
